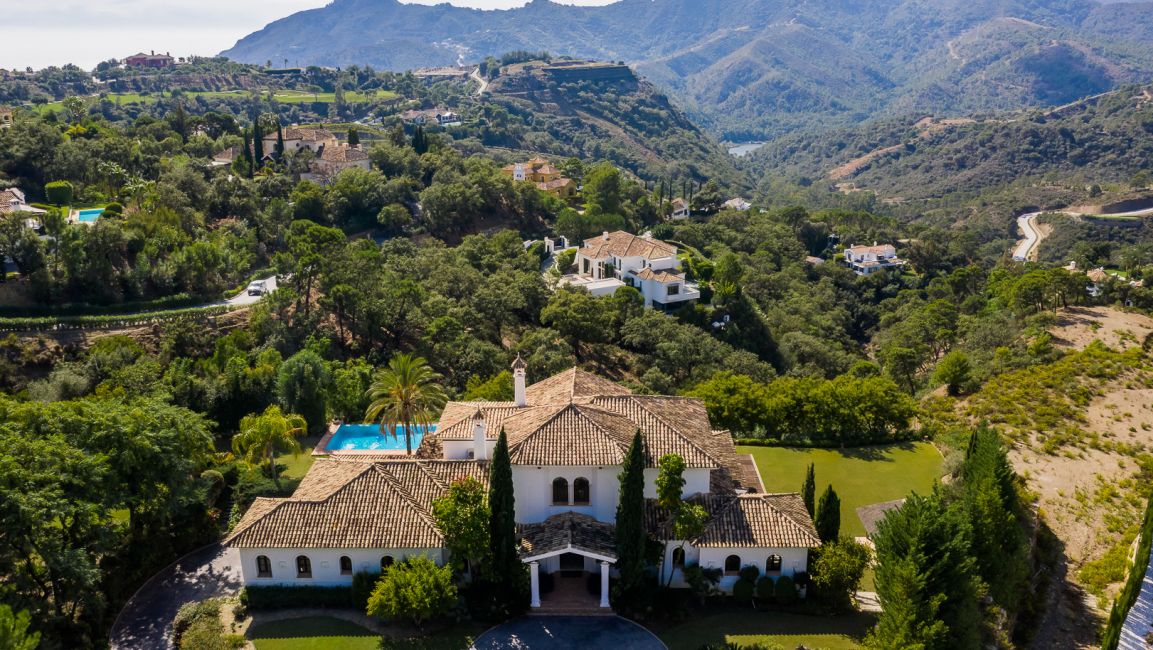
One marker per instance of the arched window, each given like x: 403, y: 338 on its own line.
x: 345, y: 565
x: 560, y: 492
x: 386, y: 562
x: 263, y: 567
x: 580, y: 491
x: 733, y: 565
x: 773, y: 565
x: 303, y: 567
x: 678, y: 558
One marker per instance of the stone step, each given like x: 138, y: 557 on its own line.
x: 572, y: 611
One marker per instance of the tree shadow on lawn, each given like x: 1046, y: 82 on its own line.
x: 310, y: 627
x: 718, y: 626
x: 874, y: 453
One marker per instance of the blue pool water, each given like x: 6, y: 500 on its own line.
x: 368, y: 437
x: 89, y: 216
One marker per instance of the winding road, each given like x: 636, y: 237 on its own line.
x: 1026, y: 249
x: 481, y: 81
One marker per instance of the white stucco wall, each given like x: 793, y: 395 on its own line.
x: 533, y: 490
x: 325, y: 564
x: 462, y: 450
x: 793, y: 561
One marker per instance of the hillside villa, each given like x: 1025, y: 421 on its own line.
x: 568, y: 436
x: 334, y: 159
x: 544, y: 175
x: 297, y: 138
x: 5, y: 117
x: 153, y: 60
x: 619, y: 259
x: 739, y: 204
x: 681, y: 210
x: 331, y: 156
x: 437, y: 116
x: 866, y: 260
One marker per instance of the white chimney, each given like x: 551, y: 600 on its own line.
x: 606, y: 235
x: 479, y: 437
x: 518, y: 383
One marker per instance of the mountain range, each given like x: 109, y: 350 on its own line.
x: 749, y: 69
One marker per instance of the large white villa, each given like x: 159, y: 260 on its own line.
x: 619, y: 259
x: 568, y: 436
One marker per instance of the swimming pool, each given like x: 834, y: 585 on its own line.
x: 89, y: 216
x: 368, y: 437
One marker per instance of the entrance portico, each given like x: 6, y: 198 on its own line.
x: 566, y: 548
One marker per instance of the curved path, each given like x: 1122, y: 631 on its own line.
x: 568, y: 633
x: 1026, y: 249
x: 146, y: 621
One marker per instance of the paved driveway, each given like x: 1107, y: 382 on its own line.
x: 146, y: 621
x: 569, y: 633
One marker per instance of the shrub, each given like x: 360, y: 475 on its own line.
x: 266, y: 598
x: 785, y: 591
x: 743, y: 591
x: 765, y: 588
x: 416, y: 590
x: 750, y: 573
x: 189, y: 614
x: 363, y: 584
x: 59, y: 192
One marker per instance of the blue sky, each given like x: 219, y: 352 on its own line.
x: 86, y: 32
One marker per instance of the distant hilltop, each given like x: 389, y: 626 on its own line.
x: 750, y: 69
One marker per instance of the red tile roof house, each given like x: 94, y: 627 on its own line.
x: 568, y: 437
x: 153, y: 60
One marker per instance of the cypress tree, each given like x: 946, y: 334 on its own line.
x: 809, y: 490
x: 828, y: 519
x: 1000, y: 545
x: 246, y: 155
x: 279, y: 141
x: 631, y: 535
x: 926, y: 578
x: 353, y: 137
x: 257, y: 142
x: 507, y: 572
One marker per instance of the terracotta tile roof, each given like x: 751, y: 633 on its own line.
x: 572, y: 385
x: 886, y: 249
x: 1097, y: 275
x: 576, y: 417
x: 565, y: 531
x: 761, y: 521
x: 349, y: 504
x: 660, y: 276
x: 555, y: 185
x: 342, y: 154
x: 304, y: 134
x: 623, y: 244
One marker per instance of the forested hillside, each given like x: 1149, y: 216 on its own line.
x: 757, y: 68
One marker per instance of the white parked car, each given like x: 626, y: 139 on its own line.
x: 257, y: 288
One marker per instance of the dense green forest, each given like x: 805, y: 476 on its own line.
x: 426, y: 254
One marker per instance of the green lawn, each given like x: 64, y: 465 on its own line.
x: 747, y: 627
x: 317, y: 633
x: 861, y: 476
x: 457, y: 637
x: 297, y: 467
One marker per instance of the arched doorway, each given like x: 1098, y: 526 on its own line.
x: 572, y: 565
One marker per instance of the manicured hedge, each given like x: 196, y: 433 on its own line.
x: 109, y: 321
x: 823, y: 444
x: 270, y: 598
x: 1128, y: 596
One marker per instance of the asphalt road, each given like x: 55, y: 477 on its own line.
x: 244, y: 299
x: 146, y: 621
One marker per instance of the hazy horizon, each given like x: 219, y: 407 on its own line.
x: 85, y: 33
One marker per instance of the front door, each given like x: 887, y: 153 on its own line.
x: 572, y: 565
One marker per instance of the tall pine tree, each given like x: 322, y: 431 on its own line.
x: 257, y: 142
x: 809, y: 490
x: 828, y: 519
x: 507, y: 572
x: 279, y: 141
x: 631, y: 535
x: 1000, y: 545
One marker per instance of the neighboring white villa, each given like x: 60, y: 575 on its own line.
x: 13, y: 200
x: 738, y: 204
x: 681, y: 210
x: 334, y: 159
x: 866, y: 260
x: 568, y: 437
x: 297, y: 138
x: 619, y: 259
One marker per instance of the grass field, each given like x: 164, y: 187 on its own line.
x: 747, y: 627
x: 861, y: 476
x: 317, y: 633
x: 297, y: 467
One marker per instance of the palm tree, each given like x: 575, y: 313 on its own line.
x: 406, y: 394
x: 262, y: 435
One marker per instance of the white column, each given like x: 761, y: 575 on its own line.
x: 534, y: 568
x: 605, y: 585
